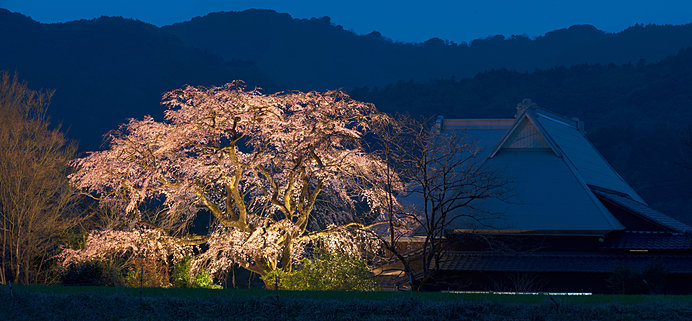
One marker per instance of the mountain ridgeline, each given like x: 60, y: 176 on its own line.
x: 632, y: 88
x: 314, y: 54
x: 108, y: 69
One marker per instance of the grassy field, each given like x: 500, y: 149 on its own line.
x: 107, y: 303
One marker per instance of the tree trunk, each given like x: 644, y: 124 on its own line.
x: 17, y: 259
x: 3, y: 278
x: 233, y: 277
x: 286, y: 254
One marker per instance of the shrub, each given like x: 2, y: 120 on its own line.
x: 325, y: 271
x: 204, y: 280
x: 184, y: 278
x: 96, y: 272
x: 148, y: 274
x: 181, y: 273
x: 654, y: 275
x: 627, y: 280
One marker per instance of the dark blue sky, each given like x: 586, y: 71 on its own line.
x: 402, y: 20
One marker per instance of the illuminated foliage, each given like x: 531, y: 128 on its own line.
x: 275, y: 172
x: 184, y: 278
x: 325, y: 271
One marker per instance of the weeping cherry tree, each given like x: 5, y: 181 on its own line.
x: 275, y: 172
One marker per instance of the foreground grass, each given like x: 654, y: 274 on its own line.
x: 107, y: 303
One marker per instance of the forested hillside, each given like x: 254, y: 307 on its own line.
x: 632, y: 88
x: 108, y: 69
x: 315, y: 54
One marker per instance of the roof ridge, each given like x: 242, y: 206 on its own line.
x: 570, y: 121
x: 473, y: 123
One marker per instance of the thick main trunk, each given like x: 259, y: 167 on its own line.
x: 286, y: 254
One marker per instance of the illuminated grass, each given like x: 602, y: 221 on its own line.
x: 97, y: 303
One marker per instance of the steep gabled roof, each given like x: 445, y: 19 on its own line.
x: 566, y: 139
x: 551, y: 165
x: 560, y: 181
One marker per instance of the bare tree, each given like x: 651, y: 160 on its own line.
x: 387, y: 143
x: 445, y: 178
x: 35, y: 195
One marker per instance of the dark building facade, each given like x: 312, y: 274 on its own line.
x: 571, y: 224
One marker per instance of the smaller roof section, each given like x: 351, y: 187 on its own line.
x: 485, y: 133
x: 561, y: 262
x: 646, y: 240
x: 639, y: 209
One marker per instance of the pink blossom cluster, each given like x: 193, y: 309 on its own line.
x: 351, y: 241
x: 138, y: 243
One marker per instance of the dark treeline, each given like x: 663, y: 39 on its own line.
x: 108, y: 69
x: 635, y: 101
x: 637, y: 115
x: 315, y: 54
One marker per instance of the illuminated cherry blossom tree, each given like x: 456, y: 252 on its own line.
x: 275, y: 171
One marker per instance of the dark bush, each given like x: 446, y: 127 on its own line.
x: 85, y: 273
x: 628, y: 280
x: 92, y: 273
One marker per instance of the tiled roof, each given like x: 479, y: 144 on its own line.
x: 649, y: 241
x: 485, y: 133
x: 623, y: 200
x: 544, y: 194
x: 548, y: 163
x: 550, y: 189
x: 573, y: 145
x: 561, y: 262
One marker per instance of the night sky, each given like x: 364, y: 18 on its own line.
x: 401, y: 20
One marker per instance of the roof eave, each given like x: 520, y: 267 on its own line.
x: 541, y: 232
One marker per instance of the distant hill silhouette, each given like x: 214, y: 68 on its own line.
x: 315, y: 54
x: 632, y: 88
x: 108, y: 69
